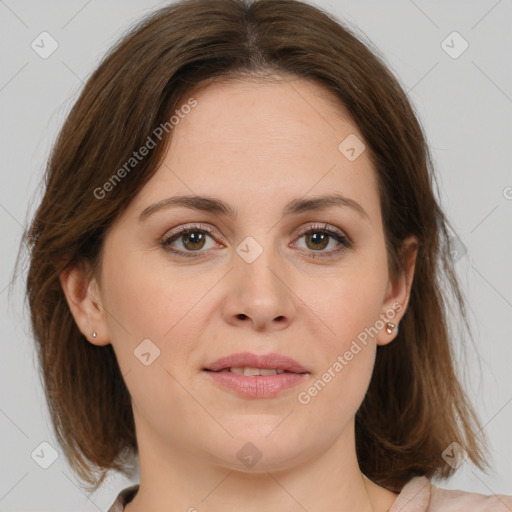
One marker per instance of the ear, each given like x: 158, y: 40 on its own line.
x: 398, y: 291
x: 82, y: 295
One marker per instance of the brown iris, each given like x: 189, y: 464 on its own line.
x: 193, y: 240
x: 317, y: 237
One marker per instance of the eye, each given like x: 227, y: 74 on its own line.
x: 318, y: 237
x: 191, y: 238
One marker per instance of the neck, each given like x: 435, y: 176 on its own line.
x: 174, y: 478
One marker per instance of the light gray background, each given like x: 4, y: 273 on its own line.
x: 463, y: 103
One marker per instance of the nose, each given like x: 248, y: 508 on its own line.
x: 259, y: 295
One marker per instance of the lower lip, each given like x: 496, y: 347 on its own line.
x: 257, y: 386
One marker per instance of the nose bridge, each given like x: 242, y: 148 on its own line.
x: 257, y: 288
x: 257, y: 265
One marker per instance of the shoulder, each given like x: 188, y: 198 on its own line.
x: 124, y: 497
x: 420, y: 495
x: 443, y: 499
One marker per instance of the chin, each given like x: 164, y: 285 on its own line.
x: 266, y: 445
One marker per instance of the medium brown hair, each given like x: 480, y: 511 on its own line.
x: 415, y: 406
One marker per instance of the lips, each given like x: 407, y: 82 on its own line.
x: 253, y: 376
x: 271, y: 361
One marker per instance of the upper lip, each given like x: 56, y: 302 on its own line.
x: 250, y: 360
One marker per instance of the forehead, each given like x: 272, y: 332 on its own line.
x: 288, y: 111
x: 250, y: 141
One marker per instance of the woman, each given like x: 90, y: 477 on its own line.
x: 236, y: 274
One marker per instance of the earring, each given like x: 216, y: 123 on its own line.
x: 390, y: 326
x: 93, y: 335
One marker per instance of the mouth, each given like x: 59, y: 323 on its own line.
x: 256, y: 376
x: 250, y: 364
x: 251, y: 372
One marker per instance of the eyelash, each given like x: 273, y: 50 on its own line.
x: 344, y: 242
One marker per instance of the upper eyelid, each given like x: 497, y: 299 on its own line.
x: 322, y: 226
x: 193, y: 227
x: 205, y: 227
x: 315, y: 226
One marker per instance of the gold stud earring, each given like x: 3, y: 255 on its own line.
x: 390, y: 326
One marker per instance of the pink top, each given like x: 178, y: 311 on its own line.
x: 418, y: 495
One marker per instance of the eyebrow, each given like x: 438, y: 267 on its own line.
x: 217, y: 206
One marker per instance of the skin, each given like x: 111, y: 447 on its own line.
x: 256, y: 146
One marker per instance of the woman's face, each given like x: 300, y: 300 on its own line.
x: 267, y: 273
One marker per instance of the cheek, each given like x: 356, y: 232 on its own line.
x: 146, y: 300
x: 143, y: 297
x: 352, y: 306
x: 351, y: 312
x: 347, y: 361
x: 145, y: 304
